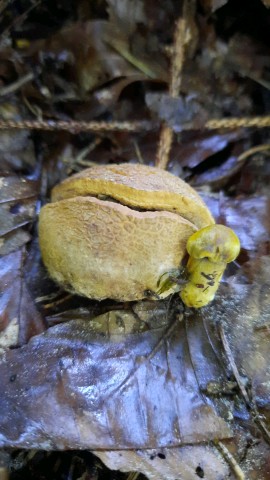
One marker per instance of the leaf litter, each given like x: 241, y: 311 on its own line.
x: 150, y: 388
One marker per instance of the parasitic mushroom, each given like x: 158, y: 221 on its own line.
x: 210, y: 249
x: 117, y: 231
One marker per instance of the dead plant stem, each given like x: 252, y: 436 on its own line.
x: 239, y: 474
x: 181, y: 41
x: 129, y: 126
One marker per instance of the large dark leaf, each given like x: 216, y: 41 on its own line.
x: 74, y: 388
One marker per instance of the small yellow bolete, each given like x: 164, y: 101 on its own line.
x: 210, y: 249
x: 117, y: 231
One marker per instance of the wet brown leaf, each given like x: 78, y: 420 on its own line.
x: 255, y: 175
x: 249, y: 58
x: 18, y: 198
x: 248, y: 217
x: 92, y: 54
x: 117, y: 391
x: 178, y: 113
x: 19, y: 317
x: 200, y: 146
x: 166, y: 464
x: 249, y: 331
x: 218, y: 176
x: 16, y: 148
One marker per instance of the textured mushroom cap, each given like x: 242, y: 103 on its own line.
x: 113, y: 231
x: 102, y: 249
x: 218, y: 243
x: 138, y: 186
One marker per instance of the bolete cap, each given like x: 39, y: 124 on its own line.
x: 216, y: 242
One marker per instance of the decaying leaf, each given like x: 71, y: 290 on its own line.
x: 115, y: 388
x: 92, y: 54
x: 254, y: 231
x: 127, y: 13
x: 17, y: 210
x: 149, y: 387
x: 16, y: 148
x: 116, y: 391
x: 179, y: 113
x: 249, y: 335
x: 19, y: 317
x: 165, y: 464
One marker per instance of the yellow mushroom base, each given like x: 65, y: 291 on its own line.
x: 210, y: 249
x: 204, y: 278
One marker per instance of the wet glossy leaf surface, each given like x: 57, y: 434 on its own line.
x: 19, y: 317
x: 150, y: 386
x: 132, y: 391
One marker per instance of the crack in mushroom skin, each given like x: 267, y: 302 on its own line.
x: 117, y: 231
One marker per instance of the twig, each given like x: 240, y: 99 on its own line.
x: 12, y: 87
x: 164, y: 147
x: 239, y: 474
x: 232, y: 363
x: 20, y: 19
x: 181, y: 40
x: 231, y: 123
x: 133, y: 475
x: 252, y: 151
x: 76, y: 127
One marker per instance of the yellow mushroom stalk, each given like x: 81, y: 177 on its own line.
x: 210, y: 249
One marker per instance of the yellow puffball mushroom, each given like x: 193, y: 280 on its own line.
x: 210, y: 249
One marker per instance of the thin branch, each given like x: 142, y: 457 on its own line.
x: 181, y: 40
x: 232, y: 123
x: 232, y: 363
x: 20, y: 19
x: 77, y: 126
x: 238, y: 472
x: 13, y: 87
x: 252, y: 151
x: 164, y: 147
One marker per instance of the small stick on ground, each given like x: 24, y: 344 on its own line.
x: 13, y: 87
x: 238, y: 472
x: 181, y: 40
x: 75, y: 127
